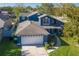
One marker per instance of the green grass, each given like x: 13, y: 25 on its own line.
x: 65, y: 50
x: 8, y: 48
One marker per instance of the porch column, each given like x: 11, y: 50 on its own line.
x: 45, y: 39
x: 18, y: 40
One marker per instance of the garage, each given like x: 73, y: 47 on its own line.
x: 31, y: 40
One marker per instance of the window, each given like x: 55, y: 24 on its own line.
x: 23, y: 18
x: 38, y: 14
x: 6, y: 29
x: 52, y: 31
x: 53, y: 21
x: 46, y: 21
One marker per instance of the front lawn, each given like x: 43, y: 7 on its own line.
x: 65, y: 50
x: 8, y: 48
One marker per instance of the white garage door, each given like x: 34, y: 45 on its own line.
x: 31, y: 40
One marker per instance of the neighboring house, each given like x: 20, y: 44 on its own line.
x: 1, y: 29
x: 8, y: 28
x: 4, y: 16
x: 29, y: 33
x: 7, y: 17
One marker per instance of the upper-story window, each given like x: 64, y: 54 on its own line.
x: 53, y: 21
x: 38, y: 14
x: 46, y: 21
x: 22, y: 18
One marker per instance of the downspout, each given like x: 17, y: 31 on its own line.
x: 58, y: 41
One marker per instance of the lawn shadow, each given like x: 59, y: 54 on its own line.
x: 25, y: 52
x: 9, y: 48
x: 64, y: 43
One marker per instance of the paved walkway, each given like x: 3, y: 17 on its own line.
x: 33, y: 51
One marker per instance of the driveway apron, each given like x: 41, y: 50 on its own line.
x: 33, y: 51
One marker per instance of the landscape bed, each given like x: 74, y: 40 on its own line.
x: 9, y: 48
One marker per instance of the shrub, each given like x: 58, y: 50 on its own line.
x: 46, y: 46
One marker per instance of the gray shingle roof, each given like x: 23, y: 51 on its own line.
x: 30, y: 28
x: 28, y: 14
x: 1, y: 23
x: 23, y: 14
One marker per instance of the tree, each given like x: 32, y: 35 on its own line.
x: 46, y: 8
x: 71, y: 29
x: 7, y: 8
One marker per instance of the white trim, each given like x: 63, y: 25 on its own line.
x: 57, y: 18
x: 51, y: 27
x: 42, y: 15
x: 40, y: 21
x: 64, y: 21
x: 25, y: 23
x: 32, y: 13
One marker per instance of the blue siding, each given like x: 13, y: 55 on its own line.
x: 18, y: 40
x: 7, y: 33
x: 52, y: 22
x: 59, y: 23
x: 54, y: 31
x: 31, y: 18
x: 8, y: 30
x: 22, y: 18
x: 34, y: 17
x: 45, y: 38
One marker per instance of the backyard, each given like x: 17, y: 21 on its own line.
x: 8, y: 48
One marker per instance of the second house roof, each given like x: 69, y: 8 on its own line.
x: 1, y: 23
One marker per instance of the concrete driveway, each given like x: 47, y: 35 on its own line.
x: 33, y: 51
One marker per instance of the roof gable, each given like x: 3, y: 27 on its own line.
x: 30, y: 28
x: 28, y: 14
x: 32, y: 13
x: 59, y: 19
x: 56, y: 18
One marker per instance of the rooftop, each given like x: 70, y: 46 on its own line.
x: 1, y: 23
x: 30, y: 28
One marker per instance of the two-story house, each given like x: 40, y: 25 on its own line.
x: 51, y: 25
